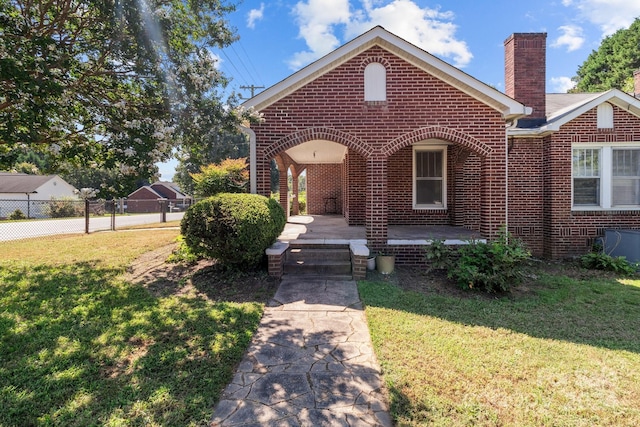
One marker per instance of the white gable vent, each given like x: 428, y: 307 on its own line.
x: 605, y: 116
x: 375, y: 82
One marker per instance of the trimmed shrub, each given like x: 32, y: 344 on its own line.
x: 495, y: 266
x: 228, y: 176
x: 233, y: 228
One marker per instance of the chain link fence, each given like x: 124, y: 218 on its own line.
x: 21, y: 219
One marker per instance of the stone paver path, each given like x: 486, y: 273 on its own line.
x: 311, y: 363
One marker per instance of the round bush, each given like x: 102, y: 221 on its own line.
x: 233, y: 228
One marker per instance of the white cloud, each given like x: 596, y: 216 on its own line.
x: 429, y: 29
x: 316, y: 20
x: 561, y: 84
x: 572, y: 37
x: 255, y: 15
x: 608, y: 15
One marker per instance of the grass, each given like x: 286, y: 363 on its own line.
x: 566, y: 354
x: 82, y: 346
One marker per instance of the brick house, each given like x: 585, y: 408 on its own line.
x: 391, y: 135
x: 146, y: 199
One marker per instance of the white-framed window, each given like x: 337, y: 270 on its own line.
x: 606, y: 177
x: 375, y: 82
x: 429, y: 176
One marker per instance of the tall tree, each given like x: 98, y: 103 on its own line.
x: 612, y: 64
x: 111, y: 84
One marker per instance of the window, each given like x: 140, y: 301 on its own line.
x: 375, y: 82
x: 626, y: 177
x: 586, y: 177
x: 429, y: 183
x: 606, y: 177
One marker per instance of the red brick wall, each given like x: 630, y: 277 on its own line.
x: 324, y: 181
x: 418, y: 107
x: 526, y: 196
x: 567, y: 232
x: 332, y: 107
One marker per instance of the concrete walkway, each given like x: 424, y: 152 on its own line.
x: 311, y: 363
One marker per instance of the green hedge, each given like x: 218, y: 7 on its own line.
x: 233, y: 228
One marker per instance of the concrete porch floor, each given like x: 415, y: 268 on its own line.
x: 334, y: 228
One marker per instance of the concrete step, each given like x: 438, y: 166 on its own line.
x: 317, y: 267
x: 309, y: 254
x: 325, y: 262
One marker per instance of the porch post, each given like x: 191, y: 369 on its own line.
x: 284, y: 192
x: 376, y: 211
x: 295, y: 207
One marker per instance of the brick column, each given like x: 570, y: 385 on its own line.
x: 493, y: 197
x: 376, y: 212
x: 263, y: 175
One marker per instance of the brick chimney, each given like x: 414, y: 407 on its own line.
x: 525, y: 70
x: 636, y: 83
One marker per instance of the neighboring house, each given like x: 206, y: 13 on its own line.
x: 148, y: 198
x: 29, y: 193
x: 391, y: 135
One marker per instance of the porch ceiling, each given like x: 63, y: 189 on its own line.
x: 317, y: 151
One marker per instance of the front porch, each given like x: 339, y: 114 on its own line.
x: 334, y: 229
x: 331, y: 233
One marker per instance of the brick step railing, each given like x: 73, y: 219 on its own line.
x: 337, y: 261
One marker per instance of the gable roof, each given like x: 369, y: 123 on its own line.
x: 567, y: 106
x: 158, y: 185
x: 145, y: 188
x: 378, y: 36
x: 22, y: 182
x: 157, y: 190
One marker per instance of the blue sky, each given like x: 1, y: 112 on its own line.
x: 279, y: 37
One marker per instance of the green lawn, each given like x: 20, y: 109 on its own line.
x: 566, y: 354
x: 80, y: 345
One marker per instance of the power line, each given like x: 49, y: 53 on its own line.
x: 234, y: 66
x: 243, y: 64
x: 252, y: 88
x: 251, y: 62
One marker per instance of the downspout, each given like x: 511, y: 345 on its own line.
x: 508, y: 125
x: 253, y: 179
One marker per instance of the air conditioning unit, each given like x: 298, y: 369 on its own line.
x: 624, y: 243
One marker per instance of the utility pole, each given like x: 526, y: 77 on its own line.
x: 252, y: 88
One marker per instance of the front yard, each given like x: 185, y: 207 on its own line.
x: 84, y: 342
x: 100, y: 330
x: 562, y: 350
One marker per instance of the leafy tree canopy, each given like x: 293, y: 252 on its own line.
x: 114, y: 85
x: 613, y: 64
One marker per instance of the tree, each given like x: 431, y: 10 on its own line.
x: 213, y: 148
x: 111, y: 84
x: 613, y: 64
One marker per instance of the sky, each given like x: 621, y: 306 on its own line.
x: 277, y: 38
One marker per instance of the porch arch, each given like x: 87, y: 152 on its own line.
x: 437, y: 132
x: 316, y: 133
